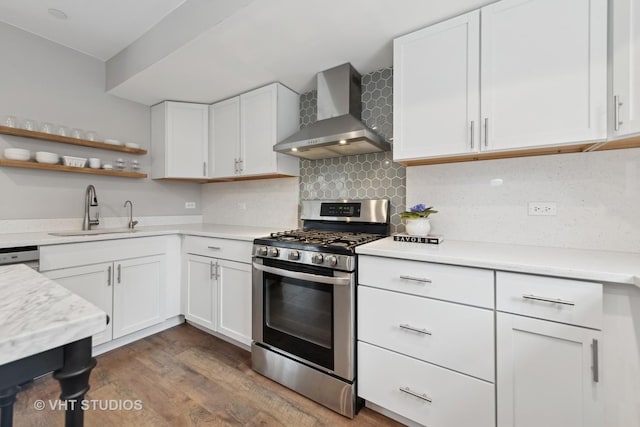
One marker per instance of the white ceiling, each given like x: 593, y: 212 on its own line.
x: 261, y: 42
x: 99, y: 28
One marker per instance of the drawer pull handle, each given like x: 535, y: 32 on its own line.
x: 551, y: 300
x: 415, y: 394
x: 416, y: 279
x: 215, y: 248
x: 414, y: 329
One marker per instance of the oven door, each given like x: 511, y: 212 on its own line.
x: 306, y: 313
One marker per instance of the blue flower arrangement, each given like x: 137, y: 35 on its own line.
x: 418, y: 211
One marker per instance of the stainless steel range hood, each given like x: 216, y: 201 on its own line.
x: 338, y: 131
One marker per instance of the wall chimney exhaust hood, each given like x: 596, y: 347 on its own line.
x: 338, y: 131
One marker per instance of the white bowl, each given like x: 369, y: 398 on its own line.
x: 76, y: 162
x: 45, y: 157
x: 112, y: 141
x: 17, y: 154
x: 132, y: 145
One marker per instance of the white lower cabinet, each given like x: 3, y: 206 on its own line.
x: 548, y: 340
x: 234, y: 295
x: 93, y: 283
x: 548, y: 374
x: 202, y: 290
x: 218, y: 291
x: 424, y: 393
x: 426, y: 341
x: 126, y: 281
x: 138, y: 294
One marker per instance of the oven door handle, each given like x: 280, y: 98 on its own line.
x: 303, y: 276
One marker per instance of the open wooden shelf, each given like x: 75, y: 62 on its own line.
x: 68, y: 140
x: 61, y: 168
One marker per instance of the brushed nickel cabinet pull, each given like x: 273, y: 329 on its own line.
x: 473, y: 129
x: 211, y: 273
x: 414, y: 329
x: 119, y: 273
x: 204, y: 168
x: 594, y: 355
x: 616, y: 112
x: 416, y: 394
x: 215, y: 248
x: 109, y: 276
x: 416, y: 279
x: 550, y: 300
x: 486, y: 131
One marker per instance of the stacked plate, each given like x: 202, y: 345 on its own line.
x: 17, y: 154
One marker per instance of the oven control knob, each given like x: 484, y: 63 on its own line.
x: 274, y: 252
x: 262, y: 251
x: 317, y: 259
x: 332, y: 260
x: 294, y: 255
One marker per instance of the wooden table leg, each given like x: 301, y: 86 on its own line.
x: 74, y: 379
x: 7, y: 399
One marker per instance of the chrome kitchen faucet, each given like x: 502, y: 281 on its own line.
x: 132, y: 223
x: 90, y: 199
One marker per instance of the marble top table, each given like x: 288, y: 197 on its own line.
x: 44, y: 327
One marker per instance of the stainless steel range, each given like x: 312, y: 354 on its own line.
x: 304, y: 290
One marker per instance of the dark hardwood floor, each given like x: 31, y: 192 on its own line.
x: 183, y: 377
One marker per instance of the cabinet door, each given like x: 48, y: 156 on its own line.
x: 224, y: 138
x: 626, y: 67
x: 202, y: 293
x: 547, y: 374
x: 138, y: 295
x: 543, y: 72
x: 436, y: 96
x: 234, y: 296
x: 187, y: 140
x: 258, y: 115
x: 93, y: 283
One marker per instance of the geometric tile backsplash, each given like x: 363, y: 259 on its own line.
x: 373, y: 175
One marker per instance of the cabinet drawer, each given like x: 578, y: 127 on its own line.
x: 450, y: 335
x: 466, y: 285
x: 560, y: 300
x: 455, y: 399
x: 234, y: 250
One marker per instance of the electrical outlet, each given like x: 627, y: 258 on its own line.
x: 543, y: 209
x: 242, y: 206
x: 189, y: 205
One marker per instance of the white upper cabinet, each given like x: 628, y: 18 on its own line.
x: 516, y: 74
x: 543, y: 72
x: 244, y: 129
x: 436, y: 94
x: 179, y: 140
x: 625, y: 102
x: 224, y: 135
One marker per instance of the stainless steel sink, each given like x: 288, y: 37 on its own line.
x: 93, y: 232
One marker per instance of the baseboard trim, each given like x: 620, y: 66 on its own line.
x: 128, y: 339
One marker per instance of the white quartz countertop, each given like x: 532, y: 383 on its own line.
x: 235, y: 232
x: 37, y: 314
x: 602, y: 266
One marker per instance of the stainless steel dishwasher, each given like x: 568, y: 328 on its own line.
x: 29, y: 255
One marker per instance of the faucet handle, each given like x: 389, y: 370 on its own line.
x: 132, y: 224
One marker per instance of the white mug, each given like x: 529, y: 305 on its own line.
x: 94, y: 163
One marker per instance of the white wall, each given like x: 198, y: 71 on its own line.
x: 267, y: 203
x: 597, y: 196
x: 44, y: 81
